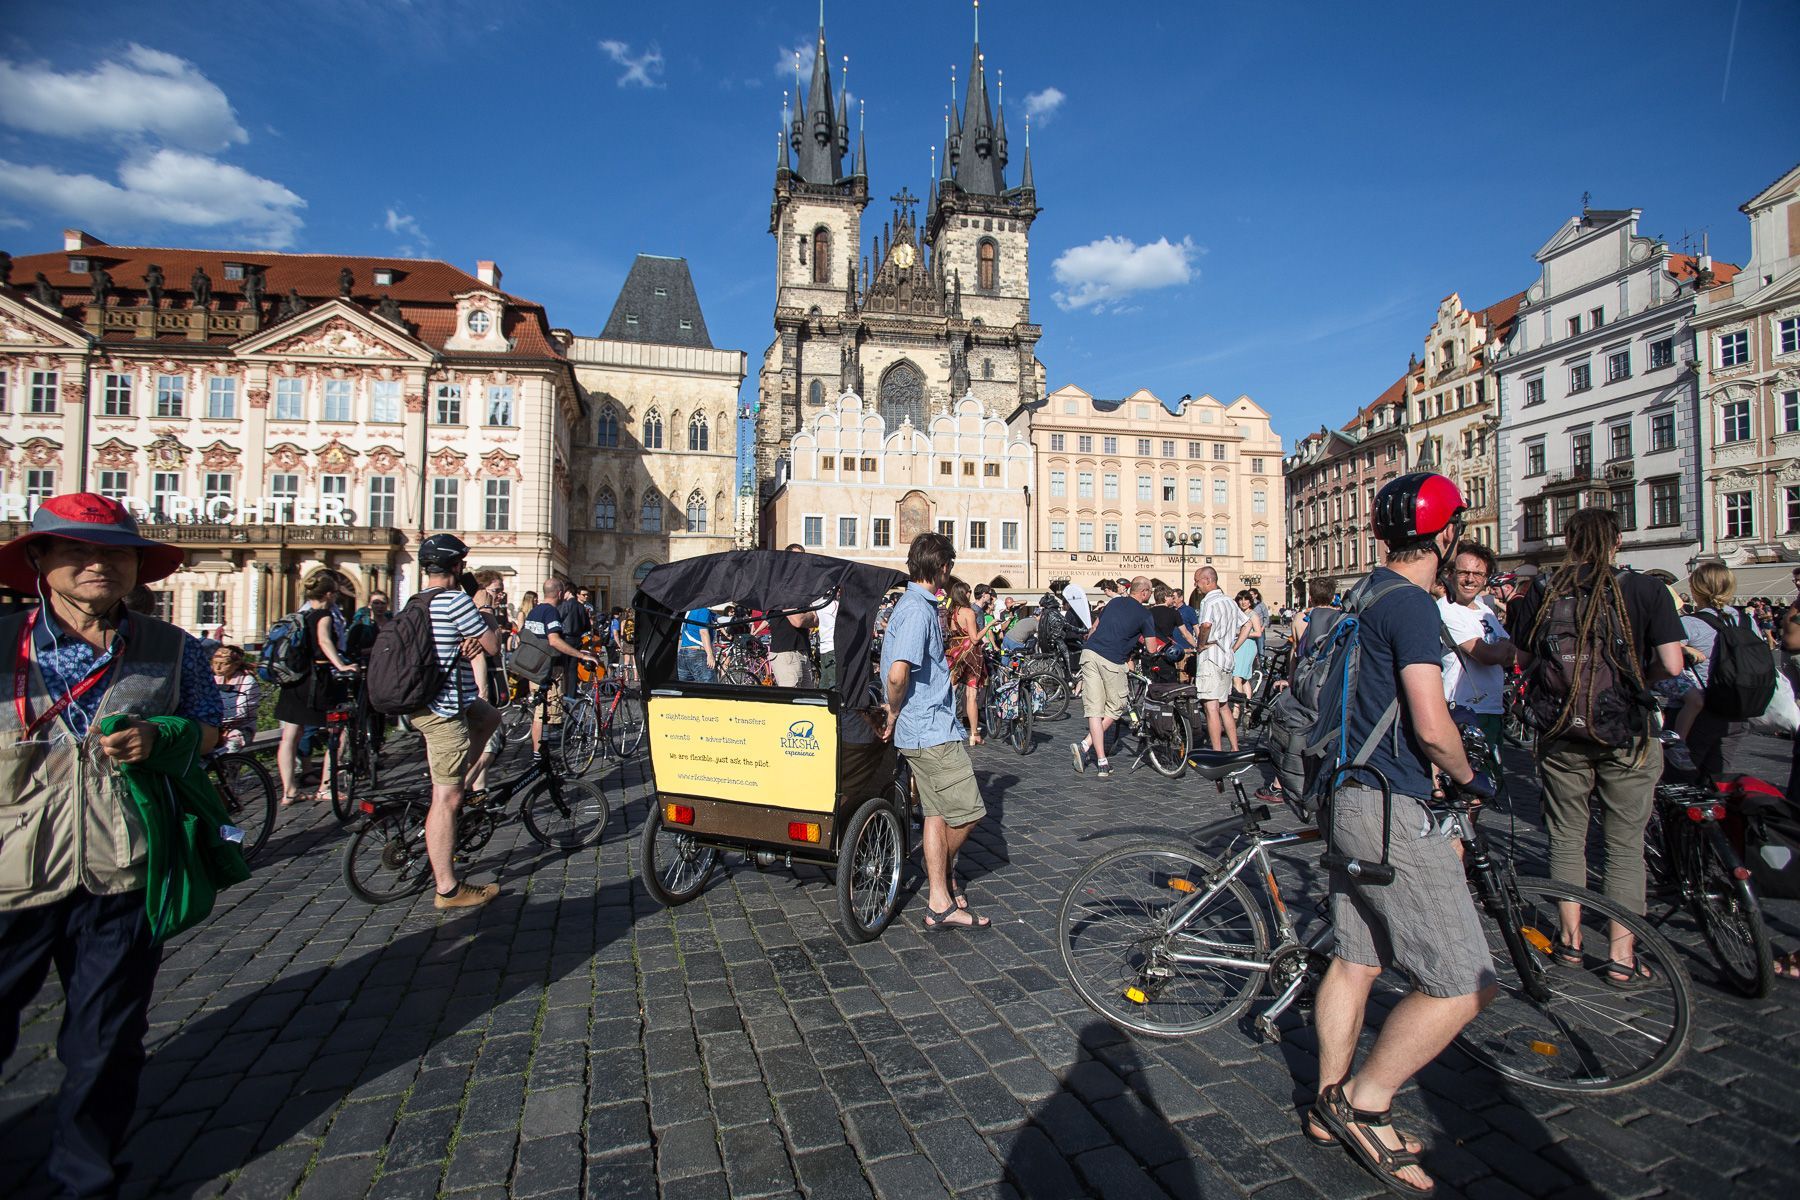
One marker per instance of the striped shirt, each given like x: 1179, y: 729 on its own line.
x: 453, y: 618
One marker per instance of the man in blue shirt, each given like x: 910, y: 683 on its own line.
x: 1121, y: 625
x: 921, y: 714
x: 695, y: 659
x: 1424, y: 923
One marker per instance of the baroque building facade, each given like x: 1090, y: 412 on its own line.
x: 656, y: 453
x: 1453, y: 418
x: 275, y: 413
x: 1330, y: 482
x: 855, y: 487
x: 1748, y: 339
x: 936, y: 309
x: 1138, y: 487
x: 1597, y: 395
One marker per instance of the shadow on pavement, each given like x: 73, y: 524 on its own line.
x: 275, y: 1062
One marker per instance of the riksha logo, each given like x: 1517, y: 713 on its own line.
x: 800, y: 738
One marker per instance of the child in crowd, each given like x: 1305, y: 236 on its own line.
x: 240, y: 695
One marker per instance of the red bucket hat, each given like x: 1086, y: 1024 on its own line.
x: 85, y: 517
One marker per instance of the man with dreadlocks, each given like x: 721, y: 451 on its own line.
x: 1593, y: 636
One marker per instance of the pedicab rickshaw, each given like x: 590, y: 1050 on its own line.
x: 777, y: 774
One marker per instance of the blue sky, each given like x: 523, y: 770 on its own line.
x: 1259, y: 197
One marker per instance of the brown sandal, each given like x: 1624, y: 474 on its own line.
x: 1336, y: 1114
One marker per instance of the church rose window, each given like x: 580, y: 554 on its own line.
x: 902, y: 395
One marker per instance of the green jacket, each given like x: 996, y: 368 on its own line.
x: 189, y: 858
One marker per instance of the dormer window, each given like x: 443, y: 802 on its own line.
x: 78, y: 266
x: 480, y: 323
x: 631, y: 318
x: 686, y: 324
x: 234, y: 270
x: 384, y: 276
x: 660, y: 292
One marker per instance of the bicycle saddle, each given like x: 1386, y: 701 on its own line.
x: 1222, y: 764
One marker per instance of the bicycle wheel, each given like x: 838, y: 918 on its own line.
x: 385, y: 860
x: 1053, y: 695
x: 1113, y: 930
x: 1021, y: 725
x: 580, y: 736
x: 515, y: 721
x: 1725, y: 906
x: 1566, y: 1029
x: 671, y: 863
x: 870, y: 866
x: 1168, y: 752
x: 338, y: 779
x: 248, y: 792
x: 565, y: 813
x: 627, y: 728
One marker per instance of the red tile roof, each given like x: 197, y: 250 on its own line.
x: 424, y: 288
x: 1499, y: 317
x: 1395, y: 393
x: 1684, y: 266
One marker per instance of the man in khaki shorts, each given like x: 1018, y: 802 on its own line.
x: 458, y: 720
x: 1121, y: 625
x: 921, y: 714
x: 1219, y: 619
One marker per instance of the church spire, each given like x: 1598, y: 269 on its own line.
x: 861, y: 171
x: 1025, y: 181
x: 979, y: 165
x: 818, y: 134
x: 1000, y: 108
x: 784, y: 164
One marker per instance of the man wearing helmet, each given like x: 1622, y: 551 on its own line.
x: 1424, y: 922
x: 457, y: 723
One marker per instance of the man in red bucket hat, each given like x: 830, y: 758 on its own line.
x: 72, y: 869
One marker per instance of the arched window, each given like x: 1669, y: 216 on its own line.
x: 987, y: 368
x: 815, y: 393
x: 821, y: 263
x: 606, y: 510
x: 650, y: 515
x: 902, y: 395
x: 987, y: 274
x: 699, y: 437
x: 696, y: 512
x: 653, y: 430
x: 606, y: 428
x: 642, y: 570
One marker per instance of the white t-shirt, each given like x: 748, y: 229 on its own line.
x: 828, y: 631
x: 1475, y: 686
x: 1222, y: 613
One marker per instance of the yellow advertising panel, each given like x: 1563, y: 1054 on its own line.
x: 755, y: 752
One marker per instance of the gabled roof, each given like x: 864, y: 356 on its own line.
x: 657, y: 297
x: 1395, y: 393
x: 426, y: 289
x: 1499, y: 317
x: 1783, y: 184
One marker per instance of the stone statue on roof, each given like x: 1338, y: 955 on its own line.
x: 346, y: 282
x: 292, y: 304
x: 389, y: 310
x: 46, y: 292
x: 959, y: 373
x: 200, y: 283
x: 5, y: 267
x: 101, y: 286
x: 153, y: 283
x: 253, y: 288
x: 850, y: 369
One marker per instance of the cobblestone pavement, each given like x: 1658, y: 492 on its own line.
x: 575, y: 1036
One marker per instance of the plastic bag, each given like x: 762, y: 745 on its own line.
x: 1782, y: 716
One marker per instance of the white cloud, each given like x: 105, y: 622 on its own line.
x: 643, y: 70
x: 1102, y: 273
x: 413, y: 240
x: 176, y: 187
x: 1041, y: 106
x: 143, y: 93
x: 805, y: 50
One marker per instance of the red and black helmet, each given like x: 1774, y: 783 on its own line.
x: 1417, y: 506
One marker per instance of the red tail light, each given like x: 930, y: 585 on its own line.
x: 1718, y: 812
x: 1696, y: 813
x: 678, y: 814
x: 368, y: 807
x: 803, y: 831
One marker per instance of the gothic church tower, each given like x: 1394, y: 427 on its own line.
x: 929, y: 312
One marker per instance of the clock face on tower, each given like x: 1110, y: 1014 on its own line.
x: 904, y: 255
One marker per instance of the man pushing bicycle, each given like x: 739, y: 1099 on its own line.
x: 1424, y: 922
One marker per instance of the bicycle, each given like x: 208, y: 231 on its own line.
x: 1514, y: 726
x: 247, y: 789
x: 1254, y: 710
x: 1157, y: 713
x: 1012, y: 701
x: 606, y: 714
x: 1050, y: 675
x: 744, y: 662
x: 1164, y: 939
x: 347, y: 738
x: 1692, y: 863
x: 385, y: 859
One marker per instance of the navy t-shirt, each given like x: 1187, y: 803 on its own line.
x: 1399, y: 631
x: 1116, y: 631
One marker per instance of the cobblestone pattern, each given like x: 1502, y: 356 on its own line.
x: 577, y: 1038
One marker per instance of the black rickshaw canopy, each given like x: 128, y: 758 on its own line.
x: 777, y: 582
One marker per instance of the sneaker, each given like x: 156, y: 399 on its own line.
x: 467, y: 895
x: 1103, y: 769
x: 1080, y: 757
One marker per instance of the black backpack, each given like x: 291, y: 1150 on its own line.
x: 1582, y: 686
x: 404, y: 673
x: 1741, y: 680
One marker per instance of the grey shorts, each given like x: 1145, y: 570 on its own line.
x: 1424, y: 923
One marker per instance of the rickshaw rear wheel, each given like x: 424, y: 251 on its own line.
x: 672, y: 865
x: 871, y: 862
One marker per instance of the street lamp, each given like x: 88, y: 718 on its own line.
x: 1193, y: 538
